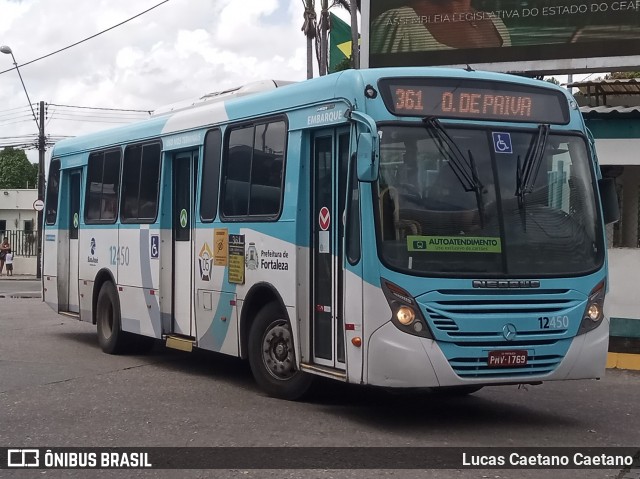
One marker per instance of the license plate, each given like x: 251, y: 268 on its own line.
x: 507, y: 359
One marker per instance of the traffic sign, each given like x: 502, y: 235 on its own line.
x: 324, y: 218
x: 38, y: 205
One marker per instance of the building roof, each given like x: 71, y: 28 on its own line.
x: 611, y: 111
x: 626, y: 86
x: 615, y: 93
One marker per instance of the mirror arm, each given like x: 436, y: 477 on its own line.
x: 366, y: 120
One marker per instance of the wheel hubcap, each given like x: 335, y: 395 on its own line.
x: 277, y: 350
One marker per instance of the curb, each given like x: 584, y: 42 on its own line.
x: 623, y: 361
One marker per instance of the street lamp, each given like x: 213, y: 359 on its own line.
x: 41, y: 147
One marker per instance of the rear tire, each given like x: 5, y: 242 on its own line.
x: 110, y: 335
x: 272, y: 358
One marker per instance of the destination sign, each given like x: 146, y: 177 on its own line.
x: 473, y: 99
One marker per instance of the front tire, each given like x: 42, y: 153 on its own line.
x: 110, y: 335
x: 272, y: 358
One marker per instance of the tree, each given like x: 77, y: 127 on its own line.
x: 316, y: 30
x: 16, y: 171
x: 621, y: 75
x: 310, y: 29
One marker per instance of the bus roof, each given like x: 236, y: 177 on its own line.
x: 280, y: 96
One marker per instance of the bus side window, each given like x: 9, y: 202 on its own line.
x: 210, y: 175
x: 140, y: 179
x: 103, y: 186
x: 53, y: 186
x: 253, y: 168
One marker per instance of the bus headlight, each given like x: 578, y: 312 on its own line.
x: 594, y: 310
x: 405, y: 312
x: 405, y: 315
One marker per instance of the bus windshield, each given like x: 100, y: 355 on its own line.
x: 486, y: 202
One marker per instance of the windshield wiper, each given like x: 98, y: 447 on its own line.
x: 527, y: 173
x: 464, y: 169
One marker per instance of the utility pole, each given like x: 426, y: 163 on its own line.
x: 41, y: 150
x: 41, y: 147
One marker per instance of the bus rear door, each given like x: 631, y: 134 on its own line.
x: 68, y: 261
x: 184, y: 177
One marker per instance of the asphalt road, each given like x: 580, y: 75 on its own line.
x: 57, y: 389
x: 19, y: 287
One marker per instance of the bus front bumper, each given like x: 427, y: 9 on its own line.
x: 400, y: 360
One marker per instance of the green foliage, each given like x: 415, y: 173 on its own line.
x: 621, y: 75
x: 16, y: 171
x: 553, y: 80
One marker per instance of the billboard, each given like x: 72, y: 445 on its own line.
x: 540, y: 36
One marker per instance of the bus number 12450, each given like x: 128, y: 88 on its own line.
x: 553, y: 322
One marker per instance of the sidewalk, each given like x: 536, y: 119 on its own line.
x: 624, y: 344
x: 19, y: 277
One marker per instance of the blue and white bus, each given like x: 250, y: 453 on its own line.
x: 401, y: 227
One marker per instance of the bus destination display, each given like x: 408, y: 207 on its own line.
x: 475, y: 100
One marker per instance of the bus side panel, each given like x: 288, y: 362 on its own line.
x: 215, y: 308
x: 353, y: 307
x: 97, y: 248
x: 271, y: 260
x: 85, y: 290
x: 63, y: 271
x: 217, y: 321
x: 50, y: 266
x: 139, y: 279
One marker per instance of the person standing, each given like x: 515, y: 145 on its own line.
x: 9, y: 262
x: 4, y: 248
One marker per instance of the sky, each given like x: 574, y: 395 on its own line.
x: 180, y: 50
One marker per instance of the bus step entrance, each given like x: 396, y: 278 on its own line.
x: 183, y: 343
x: 325, y: 371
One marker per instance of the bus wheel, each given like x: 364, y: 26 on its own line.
x: 271, y: 355
x: 110, y: 336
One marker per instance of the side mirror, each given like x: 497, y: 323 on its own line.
x: 609, y: 200
x: 367, y: 158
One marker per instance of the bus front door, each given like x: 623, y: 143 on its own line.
x: 330, y: 162
x: 184, y: 174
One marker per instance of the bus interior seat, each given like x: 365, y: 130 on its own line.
x: 389, y: 206
x: 264, y: 199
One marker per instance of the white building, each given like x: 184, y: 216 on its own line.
x: 18, y: 222
x: 611, y: 109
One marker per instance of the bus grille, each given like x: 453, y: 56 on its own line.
x: 469, y: 324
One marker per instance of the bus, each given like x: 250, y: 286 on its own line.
x: 398, y: 227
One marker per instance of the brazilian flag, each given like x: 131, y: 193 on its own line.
x: 339, y: 43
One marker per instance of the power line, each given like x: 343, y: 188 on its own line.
x: 84, y: 40
x: 100, y: 108
x: 13, y: 109
x: 91, y: 121
x: 19, y: 121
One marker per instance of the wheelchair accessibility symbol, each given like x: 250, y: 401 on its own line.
x: 502, y: 142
